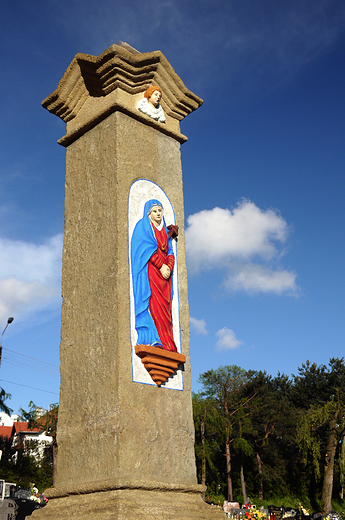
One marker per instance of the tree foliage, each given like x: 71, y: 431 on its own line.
x: 3, y: 397
x: 24, y: 466
x: 270, y: 436
x: 322, y: 425
x: 46, y: 423
x: 223, y: 387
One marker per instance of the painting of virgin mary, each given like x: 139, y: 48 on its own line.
x: 153, y: 261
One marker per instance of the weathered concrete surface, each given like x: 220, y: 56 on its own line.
x: 124, y: 447
x: 117, y: 426
x: 131, y: 504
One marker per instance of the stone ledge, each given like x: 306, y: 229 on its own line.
x: 116, y: 484
x: 160, y: 363
x: 126, y: 504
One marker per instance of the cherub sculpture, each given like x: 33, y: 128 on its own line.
x: 150, y: 104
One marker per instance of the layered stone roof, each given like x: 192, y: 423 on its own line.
x: 95, y: 86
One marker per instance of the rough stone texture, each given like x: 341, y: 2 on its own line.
x: 105, y: 418
x: 125, y: 448
x: 128, y: 504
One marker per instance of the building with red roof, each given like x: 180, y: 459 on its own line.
x: 21, y: 435
x: 6, y: 432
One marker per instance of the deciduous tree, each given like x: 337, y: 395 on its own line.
x: 322, y: 424
x: 47, y: 423
x: 223, y: 386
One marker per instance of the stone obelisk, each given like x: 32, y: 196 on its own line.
x: 126, y: 449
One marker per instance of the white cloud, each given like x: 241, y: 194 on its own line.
x: 227, y: 339
x: 29, y: 276
x: 198, y: 326
x: 215, y: 235
x: 256, y: 278
x: 245, y: 241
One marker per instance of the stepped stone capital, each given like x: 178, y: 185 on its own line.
x: 95, y: 86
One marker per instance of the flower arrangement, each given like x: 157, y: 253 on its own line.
x: 36, y: 496
x: 253, y: 513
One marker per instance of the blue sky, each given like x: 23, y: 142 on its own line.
x: 263, y: 173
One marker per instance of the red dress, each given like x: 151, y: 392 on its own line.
x: 160, y: 300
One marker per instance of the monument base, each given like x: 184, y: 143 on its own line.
x: 128, y: 501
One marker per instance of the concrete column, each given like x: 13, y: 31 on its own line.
x: 125, y: 448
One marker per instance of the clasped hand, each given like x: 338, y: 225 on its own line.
x: 165, y: 270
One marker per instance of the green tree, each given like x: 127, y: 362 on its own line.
x: 240, y: 445
x: 46, y: 423
x: 206, y: 416
x: 3, y: 397
x: 24, y: 466
x: 272, y: 433
x: 322, y: 424
x: 223, y: 385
